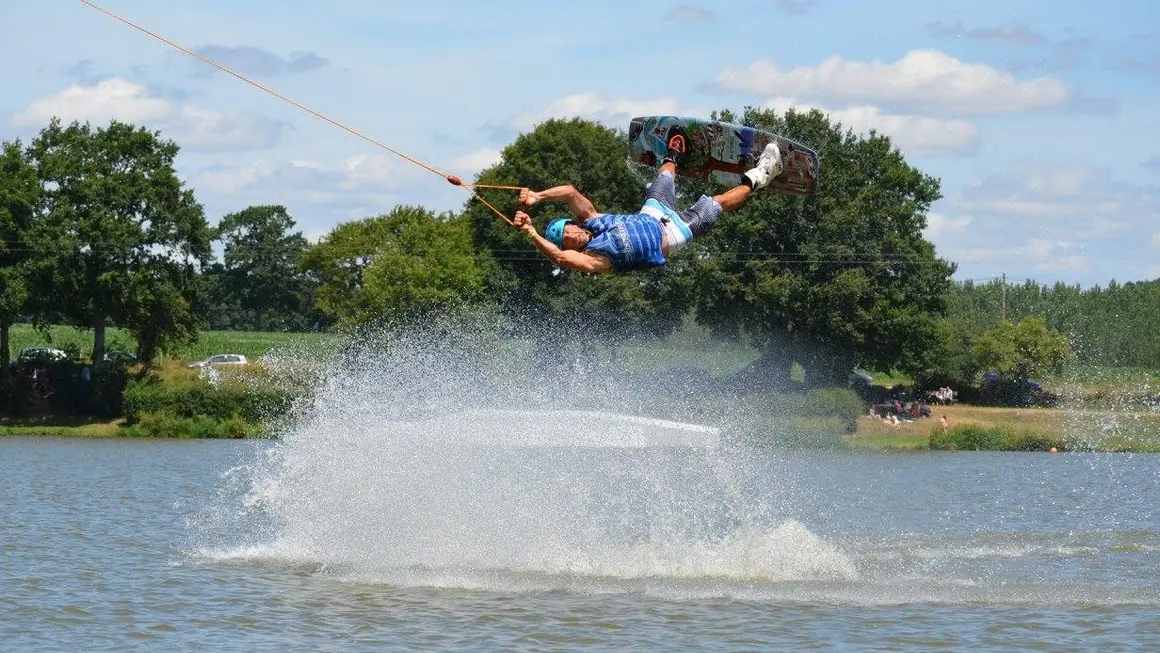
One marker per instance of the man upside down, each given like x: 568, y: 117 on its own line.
x: 607, y: 243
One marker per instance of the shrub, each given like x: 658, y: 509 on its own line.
x: 840, y: 403
x: 165, y: 424
x: 975, y: 437
x: 222, y: 401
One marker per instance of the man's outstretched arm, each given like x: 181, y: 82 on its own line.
x: 565, y: 258
x: 580, y: 206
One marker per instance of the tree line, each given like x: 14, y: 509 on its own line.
x: 97, y: 230
x: 1112, y: 325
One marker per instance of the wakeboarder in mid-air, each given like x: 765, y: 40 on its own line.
x: 607, y: 243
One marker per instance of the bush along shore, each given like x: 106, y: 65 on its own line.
x: 68, y: 398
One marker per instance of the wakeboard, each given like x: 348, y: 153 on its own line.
x: 721, y: 151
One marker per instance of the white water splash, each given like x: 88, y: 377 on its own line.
x: 402, y: 470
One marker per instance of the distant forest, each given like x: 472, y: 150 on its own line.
x: 1114, y: 325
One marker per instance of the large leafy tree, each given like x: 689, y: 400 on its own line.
x: 590, y: 157
x: 127, y: 235
x: 261, y: 272
x: 396, y: 266
x: 19, y: 196
x: 831, y: 280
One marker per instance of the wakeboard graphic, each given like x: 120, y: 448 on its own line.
x: 721, y: 151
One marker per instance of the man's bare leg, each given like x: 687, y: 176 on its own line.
x: 733, y: 198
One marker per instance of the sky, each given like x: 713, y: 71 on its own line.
x: 1040, y: 118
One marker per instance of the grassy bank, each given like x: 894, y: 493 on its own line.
x: 1036, y: 428
x: 249, y: 343
x: 1020, y: 428
x: 61, y: 427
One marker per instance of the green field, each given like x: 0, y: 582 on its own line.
x: 249, y: 343
x: 684, y: 348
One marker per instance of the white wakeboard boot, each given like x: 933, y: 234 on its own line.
x: 768, y: 167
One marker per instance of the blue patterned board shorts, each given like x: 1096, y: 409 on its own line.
x: 699, y: 217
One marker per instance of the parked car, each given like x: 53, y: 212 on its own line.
x: 1028, y: 385
x: 120, y: 355
x: 220, y: 359
x: 39, y: 355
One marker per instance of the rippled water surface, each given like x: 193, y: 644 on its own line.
x: 627, y: 536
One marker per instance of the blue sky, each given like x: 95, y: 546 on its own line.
x: 1041, y: 118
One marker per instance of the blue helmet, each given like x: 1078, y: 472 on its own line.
x: 555, y: 231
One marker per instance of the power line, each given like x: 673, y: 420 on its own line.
x: 519, y: 254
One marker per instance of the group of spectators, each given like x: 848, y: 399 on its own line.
x: 897, y: 411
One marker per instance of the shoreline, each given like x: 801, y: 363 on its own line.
x: 1064, y: 428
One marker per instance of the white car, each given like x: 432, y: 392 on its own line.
x: 221, y: 359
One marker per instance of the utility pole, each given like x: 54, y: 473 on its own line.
x: 1003, y: 313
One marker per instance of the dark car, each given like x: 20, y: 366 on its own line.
x: 39, y: 354
x: 118, y: 355
x: 1029, y: 385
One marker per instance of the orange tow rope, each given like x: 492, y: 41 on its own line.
x: 452, y: 179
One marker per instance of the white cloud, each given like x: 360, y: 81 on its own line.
x: 257, y: 61
x: 1037, y: 254
x: 319, y: 193
x: 120, y: 99
x: 689, y: 14
x: 1022, y: 208
x: 204, y: 129
x: 592, y: 106
x: 1011, y: 33
x: 1062, y: 182
x: 917, y: 135
x: 1084, y: 200
x: 938, y: 225
x: 1052, y: 223
x: 796, y: 7
x: 230, y: 180
x: 107, y: 100
x: 923, y: 80
x: 473, y: 162
x: 367, y: 173
x: 1054, y: 254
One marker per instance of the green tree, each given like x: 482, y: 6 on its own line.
x: 952, y: 360
x: 19, y: 196
x: 261, y: 269
x: 399, y: 265
x: 426, y: 262
x: 220, y: 307
x: 591, y: 158
x: 127, y: 236
x: 832, y: 280
x: 1023, y: 350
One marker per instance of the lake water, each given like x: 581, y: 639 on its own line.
x: 554, y: 531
